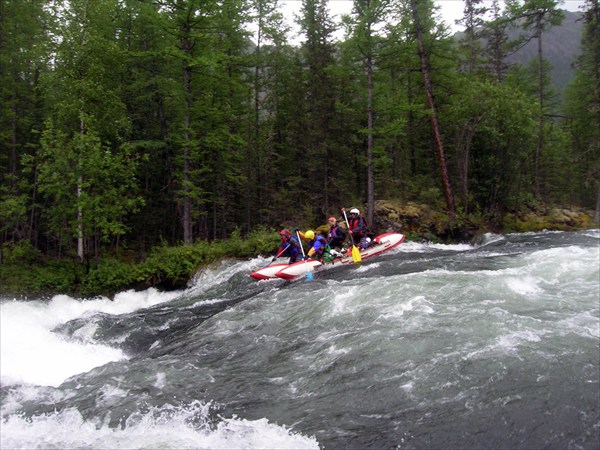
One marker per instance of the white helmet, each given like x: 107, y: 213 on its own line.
x: 354, y: 211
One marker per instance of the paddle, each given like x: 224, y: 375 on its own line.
x: 355, y: 251
x: 309, y: 275
x: 279, y: 254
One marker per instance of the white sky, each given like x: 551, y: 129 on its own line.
x: 450, y: 10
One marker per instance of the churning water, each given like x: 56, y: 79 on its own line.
x: 494, y: 345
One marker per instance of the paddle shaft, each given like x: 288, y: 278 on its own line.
x: 355, y: 250
x: 308, y: 274
x: 280, y: 253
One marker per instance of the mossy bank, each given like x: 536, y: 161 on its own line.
x: 25, y: 273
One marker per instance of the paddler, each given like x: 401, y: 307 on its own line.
x: 316, y: 242
x: 358, y: 228
x: 335, y: 235
x: 289, y: 247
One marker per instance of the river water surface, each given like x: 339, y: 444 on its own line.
x: 494, y: 345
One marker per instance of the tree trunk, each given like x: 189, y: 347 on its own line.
x: 540, y: 139
x: 465, y: 140
x: 370, y: 177
x: 597, y: 212
x: 80, y: 247
x: 437, y: 136
x: 187, y: 200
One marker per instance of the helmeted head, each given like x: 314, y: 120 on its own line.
x: 285, y: 235
x: 332, y: 221
x: 355, y: 211
x: 310, y: 234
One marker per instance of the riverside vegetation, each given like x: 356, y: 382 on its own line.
x: 26, y: 273
x: 140, y: 140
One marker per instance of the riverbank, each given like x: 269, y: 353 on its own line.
x: 25, y: 273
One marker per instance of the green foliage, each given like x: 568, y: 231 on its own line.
x: 496, y: 128
x: 124, y: 123
x: 20, y: 252
x: 431, y: 196
x: 90, y: 187
x: 13, y: 211
x: 582, y: 106
x: 25, y: 271
x: 107, y: 276
x: 43, y: 278
x: 259, y: 241
x: 172, y: 265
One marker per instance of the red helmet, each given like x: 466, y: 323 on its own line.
x: 285, y: 234
x: 332, y: 219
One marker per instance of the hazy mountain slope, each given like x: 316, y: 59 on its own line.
x: 560, y: 46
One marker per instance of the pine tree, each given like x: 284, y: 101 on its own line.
x: 433, y: 114
x: 583, y: 108
x: 538, y: 16
x: 367, y: 15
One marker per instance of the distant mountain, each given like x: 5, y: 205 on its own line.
x: 560, y: 46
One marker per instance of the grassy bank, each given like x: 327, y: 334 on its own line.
x: 25, y: 273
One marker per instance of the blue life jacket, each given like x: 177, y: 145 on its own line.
x: 319, y: 243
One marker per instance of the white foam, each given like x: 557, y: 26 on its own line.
x: 222, y: 272
x: 367, y: 268
x: 526, y: 285
x: 33, y: 353
x: 397, y: 310
x: 167, y: 427
x: 490, y: 238
x: 426, y: 247
x: 592, y: 233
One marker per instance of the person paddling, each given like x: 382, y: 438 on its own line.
x: 335, y: 235
x: 289, y: 247
x: 317, y: 244
x: 358, y: 228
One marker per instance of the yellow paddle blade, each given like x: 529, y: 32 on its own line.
x: 355, y: 254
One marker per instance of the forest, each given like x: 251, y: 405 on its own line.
x: 131, y: 124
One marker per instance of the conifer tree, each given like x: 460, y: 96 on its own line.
x: 86, y: 170
x: 537, y: 17
x: 471, y: 41
x: 583, y: 108
x: 24, y: 55
x: 318, y: 51
x: 368, y: 16
x: 433, y: 114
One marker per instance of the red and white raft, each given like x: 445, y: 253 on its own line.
x: 268, y: 272
x: 298, y: 269
x: 381, y: 244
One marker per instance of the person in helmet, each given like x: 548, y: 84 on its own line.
x: 335, y: 235
x: 317, y: 244
x: 358, y: 228
x: 289, y: 247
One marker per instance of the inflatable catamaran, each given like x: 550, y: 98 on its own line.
x: 379, y: 245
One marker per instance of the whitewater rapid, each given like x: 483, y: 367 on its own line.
x: 432, y: 346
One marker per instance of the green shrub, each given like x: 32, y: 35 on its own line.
x: 172, y: 265
x: 107, y: 276
x: 20, y: 252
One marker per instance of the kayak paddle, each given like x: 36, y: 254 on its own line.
x: 309, y: 275
x: 355, y: 251
x: 279, y: 254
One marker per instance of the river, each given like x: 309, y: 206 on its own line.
x: 490, y: 345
